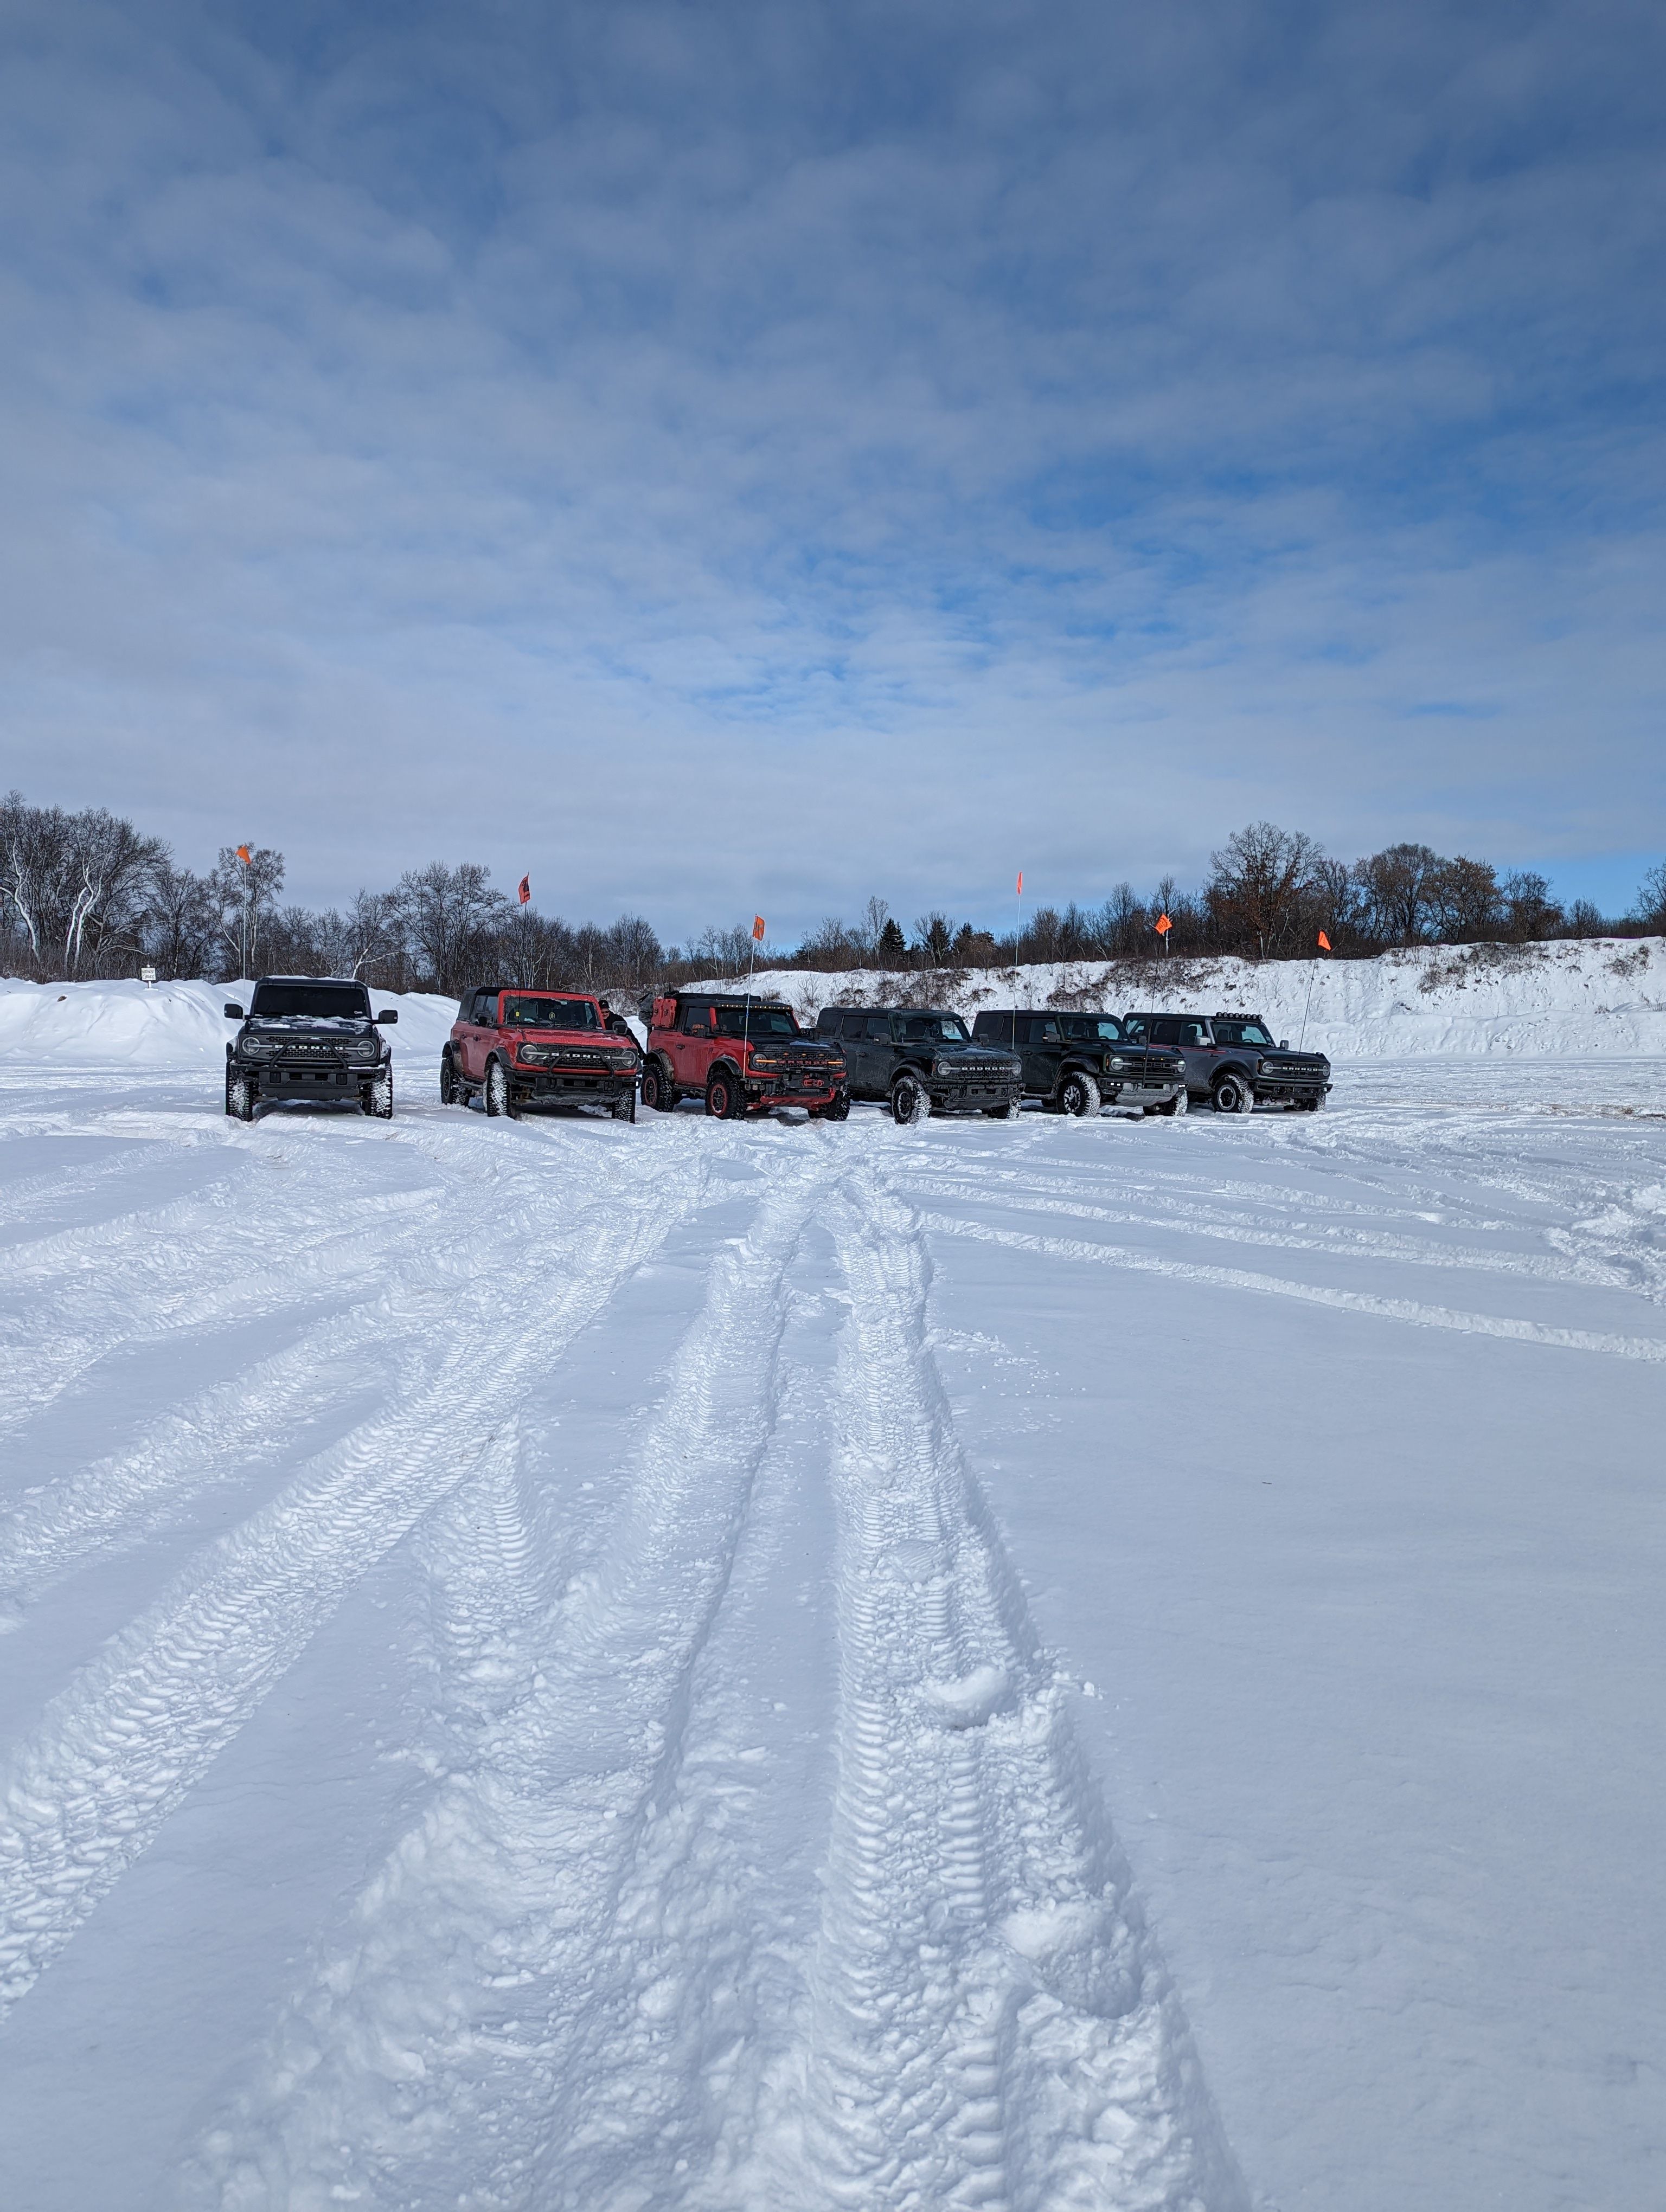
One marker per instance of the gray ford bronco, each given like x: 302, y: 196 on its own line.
x: 309, y: 1037
x: 1232, y: 1062
x: 1076, y: 1063
x: 921, y: 1062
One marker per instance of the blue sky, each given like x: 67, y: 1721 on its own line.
x: 734, y: 457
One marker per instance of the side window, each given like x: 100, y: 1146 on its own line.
x: 1165, y: 1032
x: 696, y: 1020
x: 878, y: 1029
x: 851, y: 1028
x: 1191, y: 1033
x: 1045, y: 1030
x: 485, y: 1010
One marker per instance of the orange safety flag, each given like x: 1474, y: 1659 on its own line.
x: 1020, y: 883
x: 243, y: 854
x: 1324, y: 942
x: 757, y: 929
x: 1163, y: 925
x: 525, y: 891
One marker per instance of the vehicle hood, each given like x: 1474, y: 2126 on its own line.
x: 333, y: 1026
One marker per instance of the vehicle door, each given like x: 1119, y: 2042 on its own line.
x: 876, y: 1055
x: 477, y: 1037
x: 691, y: 1046
x: 1042, y: 1050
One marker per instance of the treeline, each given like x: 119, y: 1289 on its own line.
x: 85, y: 894
x: 1269, y: 895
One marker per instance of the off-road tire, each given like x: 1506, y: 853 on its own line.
x: 1009, y: 1112
x: 499, y: 1099
x: 624, y: 1109
x: 239, y: 1098
x: 452, y: 1092
x: 1178, y: 1104
x: 911, y: 1102
x: 1078, y: 1095
x: 658, y: 1095
x: 1232, y: 1094
x: 838, y: 1109
x: 725, y: 1100
x: 379, y: 1097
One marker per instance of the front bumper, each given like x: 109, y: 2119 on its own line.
x: 307, y: 1079
x: 1286, y: 1090
x: 950, y: 1095
x: 790, y: 1089
x: 575, y: 1084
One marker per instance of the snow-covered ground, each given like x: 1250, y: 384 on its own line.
x: 551, y: 1664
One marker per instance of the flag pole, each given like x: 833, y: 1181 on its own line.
x: 1312, y: 970
x: 1017, y: 954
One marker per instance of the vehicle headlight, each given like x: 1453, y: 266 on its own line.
x: 1112, y: 1061
x: 369, y: 1050
x: 942, y: 1067
x: 258, y: 1048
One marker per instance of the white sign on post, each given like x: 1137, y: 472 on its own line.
x: 147, y: 976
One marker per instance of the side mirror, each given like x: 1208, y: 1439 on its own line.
x: 389, y: 1014
x: 1284, y: 1044
x: 234, y: 1012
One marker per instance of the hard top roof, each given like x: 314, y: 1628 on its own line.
x: 848, y: 1007
x: 357, y: 982
x: 719, y: 997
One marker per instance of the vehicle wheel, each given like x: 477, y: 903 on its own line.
x: 657, y: 1094
x: 624, y: 1109
x: 1009, y: 1112
x: 1309, y: 1105
x: 724, y: 1102
x: 1079, y: 1095
x: 1232, y: 1094
x: 909, y: 1101
x: 378, y: 1096
x: 452, y: 1092
x: 498, y: 1100
x: 240, y: 1097
x: 838, y: 1109
x: 1171, y: 1106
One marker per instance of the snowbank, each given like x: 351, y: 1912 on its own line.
x: 168, y: 1025
x: 1602, y: 995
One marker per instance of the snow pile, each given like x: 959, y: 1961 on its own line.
x: 125, y: 1025
x: 1600, y: 995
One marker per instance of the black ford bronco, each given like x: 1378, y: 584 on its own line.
x: 1232, y: 1062
x: 309, y: 1037
x: 921, y: 1062
x: 1075, y: 1063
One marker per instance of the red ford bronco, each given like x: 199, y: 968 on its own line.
x: 742, y: 1055
x: 545, y: 1047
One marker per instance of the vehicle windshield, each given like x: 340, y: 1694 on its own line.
x: 522, y: 1011
x: 1240, y: 1033
x: 934, y: 1028
x: 342, y: 1002
x: 1090, y: 1029
x: 760, y: 1022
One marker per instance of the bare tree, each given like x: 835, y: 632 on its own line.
x: 1650, y: 906
x: 1398, y: 888
x: 934, y: 934
x: 449, y: 917
x: 1258, y: 887
x: 1463, y: 899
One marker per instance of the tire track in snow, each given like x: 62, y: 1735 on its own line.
x: 1362, y: 1302
x: 445, y: 2057
x: 991, y: 2023
x: 1344, y: 1243
x: 119, y: 1747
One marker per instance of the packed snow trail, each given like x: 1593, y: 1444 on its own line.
x: 670, y: 1557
